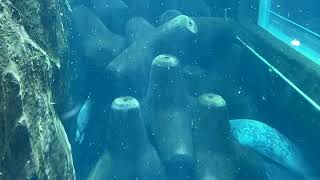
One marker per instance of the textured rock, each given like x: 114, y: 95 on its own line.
x: 48, y: 24
x: 33, y: 143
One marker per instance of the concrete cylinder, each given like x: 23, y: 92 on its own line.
x: 129, y: 153
x: 212, y: 139
x: 96, y: 42
x: 168, y: 15
x: 211, y: 129
x: 168, y: 117
x: 197, y: 78
x: 113, y: 13
x: 132, y: 66
x: 137, y: 27
x: 126, y: 127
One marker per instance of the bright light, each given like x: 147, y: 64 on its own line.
x: 295, y: 42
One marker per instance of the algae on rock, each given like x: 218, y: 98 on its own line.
x: 48, y: 23
x: 33, y: 142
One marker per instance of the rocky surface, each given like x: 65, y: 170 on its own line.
x: 33, y: 55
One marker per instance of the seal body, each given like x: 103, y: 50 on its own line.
x: 83, y: 120
x: 271, y: 144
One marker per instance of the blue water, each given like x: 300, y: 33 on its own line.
x: 157, y: 86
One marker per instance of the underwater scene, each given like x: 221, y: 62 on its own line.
x: 159, y: 90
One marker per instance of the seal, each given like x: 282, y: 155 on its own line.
x: 83, y: 120
x: 271, y: 144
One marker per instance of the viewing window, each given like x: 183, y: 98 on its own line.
x: 295, y: 22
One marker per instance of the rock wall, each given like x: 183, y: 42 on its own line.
x: 33, y: 56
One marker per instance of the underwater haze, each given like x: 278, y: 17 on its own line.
x: 160, y: 89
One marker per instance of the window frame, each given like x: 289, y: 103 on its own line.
x: 296, y: 36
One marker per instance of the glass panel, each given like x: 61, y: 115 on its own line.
x: 296, y: 24
x: 306, y: 13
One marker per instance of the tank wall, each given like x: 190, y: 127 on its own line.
x: 281, y: 106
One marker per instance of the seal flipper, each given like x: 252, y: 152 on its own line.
x: 81, y: 138
x: 78, y: 138
x: 83, y: 120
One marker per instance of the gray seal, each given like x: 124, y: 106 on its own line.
x: 271, y: 144
x: 82, y: 120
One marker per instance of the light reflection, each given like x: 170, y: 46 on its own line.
x: 295, y: 42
